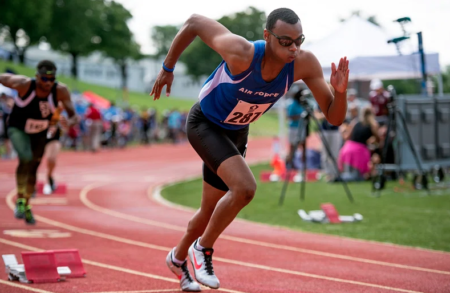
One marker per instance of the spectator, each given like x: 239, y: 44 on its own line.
x: 296, y: 133
x: 379, y: 98
x: 153, y: 124
x: 174, y: 124
x: 95, y: 125
x: 7, y: 96
x: 353, y: 103
x: 354, y: 157
x: 145, y: 125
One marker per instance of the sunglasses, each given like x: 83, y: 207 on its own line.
x: 287, y: 41
x: 45, y: 79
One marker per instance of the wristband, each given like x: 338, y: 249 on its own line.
x: 168, y: 69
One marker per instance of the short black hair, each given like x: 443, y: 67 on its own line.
x: 46, y: 67
x: 283, y: 14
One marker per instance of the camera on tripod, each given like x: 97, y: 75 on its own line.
x: 304, y: 98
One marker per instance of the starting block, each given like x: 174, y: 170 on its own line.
x: 61, y: 188
x: 38, y: 267
x: 312, y: 175
x: 44, y: 267
x: 328, y: 214
x: 70, y: 258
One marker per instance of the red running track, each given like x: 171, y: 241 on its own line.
x: 123, y: 235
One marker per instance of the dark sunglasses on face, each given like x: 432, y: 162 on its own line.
x: 286, y: 41
x: 45, y: 79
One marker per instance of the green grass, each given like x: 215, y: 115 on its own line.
x: 408, y: 218
x: 266, y: 125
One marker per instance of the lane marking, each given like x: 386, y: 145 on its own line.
x: 151, y: 291
x: 167, y: 249
x: 48, y: 201
x: 36, y: 233
x: 147, y: 291
x: 12, y: 284
x: 84, y: 199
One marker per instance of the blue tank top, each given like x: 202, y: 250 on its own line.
x: 234, y: 101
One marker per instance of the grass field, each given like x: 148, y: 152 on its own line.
x: 409, y: 218
x: 265, y: 126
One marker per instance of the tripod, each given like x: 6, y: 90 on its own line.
x: 380, y: 180
x: 304, y: 128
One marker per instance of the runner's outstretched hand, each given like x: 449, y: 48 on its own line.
x: 339, y: 75
x: 164, y: 78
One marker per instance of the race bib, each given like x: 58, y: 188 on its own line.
x: 245, y: 113
x: 35, y: 126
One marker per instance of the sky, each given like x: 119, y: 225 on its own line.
x: 319, y: 17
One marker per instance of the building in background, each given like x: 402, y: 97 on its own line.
x: 99, y: 70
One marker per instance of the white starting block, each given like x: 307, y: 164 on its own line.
x: 16, y: 271
x: 320, y: 216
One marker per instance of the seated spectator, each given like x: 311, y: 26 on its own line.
x: 354, y: 157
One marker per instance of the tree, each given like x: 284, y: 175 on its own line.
x: 201, y: 59
x: 162, y: 37
x: 26, y: 21
x: 117, y: 38
x: 74, y: 25
x: 445, y: 80
x: 405, y: 86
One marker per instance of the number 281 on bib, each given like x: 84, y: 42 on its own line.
x: 245, y: 113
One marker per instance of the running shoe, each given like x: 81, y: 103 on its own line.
x: 29, y: 219
x: 187, y: 283
x: 202, y: 264
x: 19, y: 212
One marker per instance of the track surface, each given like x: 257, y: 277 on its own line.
x: 123, y: 235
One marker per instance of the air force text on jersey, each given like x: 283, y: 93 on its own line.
x: 246, y: 91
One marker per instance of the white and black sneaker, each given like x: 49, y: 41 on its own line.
x: 187, y: 283
x: 202, y: 264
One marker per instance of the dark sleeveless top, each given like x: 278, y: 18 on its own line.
x: 361, y: 133
x: 31, y: 113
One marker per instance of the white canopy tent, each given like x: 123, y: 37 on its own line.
x: 365, y: 45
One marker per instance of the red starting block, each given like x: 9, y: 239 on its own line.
x: 40, y: 267
x: 312, y: 175
x: 331, y: 212
x: 61, y: 188
x: 70, y: 258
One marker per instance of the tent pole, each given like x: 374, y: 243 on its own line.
x: 440, y: 85
x: 422, y: 61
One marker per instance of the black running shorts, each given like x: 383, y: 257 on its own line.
x: 214, y: 144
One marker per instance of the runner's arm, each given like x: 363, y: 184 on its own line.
x: 18, y: 82
x: 64, y: 97
x: 234, y: 49
x: 332, y: 103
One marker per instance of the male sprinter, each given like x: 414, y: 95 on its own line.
x: 249, y: 80
x: 28, y: 125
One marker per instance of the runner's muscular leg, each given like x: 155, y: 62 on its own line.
x: 199, y: 221
x: 236, y: 174
x: 51, y: 152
